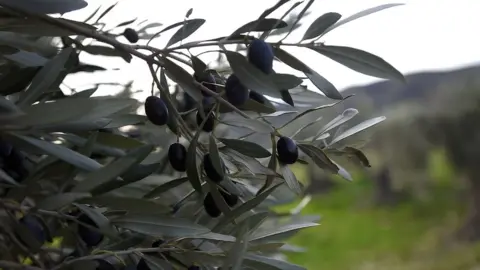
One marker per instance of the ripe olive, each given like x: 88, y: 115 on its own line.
x: 230, y: 199
x: 260, y: 54
x: 156, y: 110
x: 89, y: 236
x: 209, y: 124
x: 207, y: 79
x: 287, y: 150
x: 236, y: 93
x: 177, y: 155
x: 35, y: 226
x: 210, y: 207
x: 131, y: 35
x: 210, y: 170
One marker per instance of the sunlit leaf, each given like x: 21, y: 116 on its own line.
x: 361, y: 14
x: 360, y: 61
x: 260, y: 25
x: 321, y: 24
x: 247, y: 148
x: 189, y: 27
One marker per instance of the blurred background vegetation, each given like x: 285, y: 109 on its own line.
x: 418, y: 206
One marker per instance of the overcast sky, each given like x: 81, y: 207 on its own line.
x: 418, y: 36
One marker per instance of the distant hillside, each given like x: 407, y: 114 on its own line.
x: 423, y: 89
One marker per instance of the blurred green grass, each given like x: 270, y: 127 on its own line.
x: 412, y: 235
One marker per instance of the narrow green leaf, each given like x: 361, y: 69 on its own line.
x: 272, y: 9
x: 113, y: 170
x: 260, y: 25
x: 286, y: 81
x: 359, y: 155
x: 132, y: 205
x: 192, y: 169
x: 306, y: 112
x: 237, y: 251
x: 38, y: 29
x: 318, y: 80
x: 106, y: 12
x: 319, y: 157
x: 247, y: 148
x: 251, y: 76
x: 61, y: 152
x: 107, y: 51
x: 245, y: 207
x: 182, y: 78
x: 262, y: 262
x: 321, y: 24
x: 362, y: 126
x: 98, y: 218
x: 86, y: 93
x: 265, y: 234
x: 135, y: 174
x: 324, y: 85
x: 45, y: 78
x: 186, y: 30
x: 272, y: 165
x: 58, y: 201
x: 290, y: 179
x: 125, y: 23
x: 215, y: 155
x: 360, y: 61
x: 160, y: 226
x: 253, y: 124
x: 347, y: 115
x: 361, y: 14
x: 300, y: 15
x: 165, y: 187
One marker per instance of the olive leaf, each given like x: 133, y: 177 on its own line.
x: 188, y: 28
x: 321, y: 24
x: 260, y: 25
x: 113, y: 170
x: 247, y: 148
x: 318, y: 80
x: 353, y: 130
x: 361, y: 14
x: 360, y: 61
x: 251, y: 76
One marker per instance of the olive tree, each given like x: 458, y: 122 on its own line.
x: 78, y: 193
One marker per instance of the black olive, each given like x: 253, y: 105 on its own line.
x: 209, y: 124
x: 237, y: 94
x: 210, y: 170
x: 131, y: 35
x: 287, y: 150
x: 210, y: 207
x: 156, y: 110
x: 177, y: 155
x: 89, y: 236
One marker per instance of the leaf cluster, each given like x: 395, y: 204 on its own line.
x: 69, y: 173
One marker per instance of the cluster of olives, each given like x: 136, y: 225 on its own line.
x: 260, y: 54
x: 12, y: 161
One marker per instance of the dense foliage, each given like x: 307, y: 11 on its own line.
x: 78, y: 193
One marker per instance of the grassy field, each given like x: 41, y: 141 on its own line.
x: 412, y: 235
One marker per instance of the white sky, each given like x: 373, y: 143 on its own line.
x: 421, y: 35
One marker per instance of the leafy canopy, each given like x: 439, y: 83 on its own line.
x: 81, y: 193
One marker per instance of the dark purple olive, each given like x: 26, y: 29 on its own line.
x: 287, y: 150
